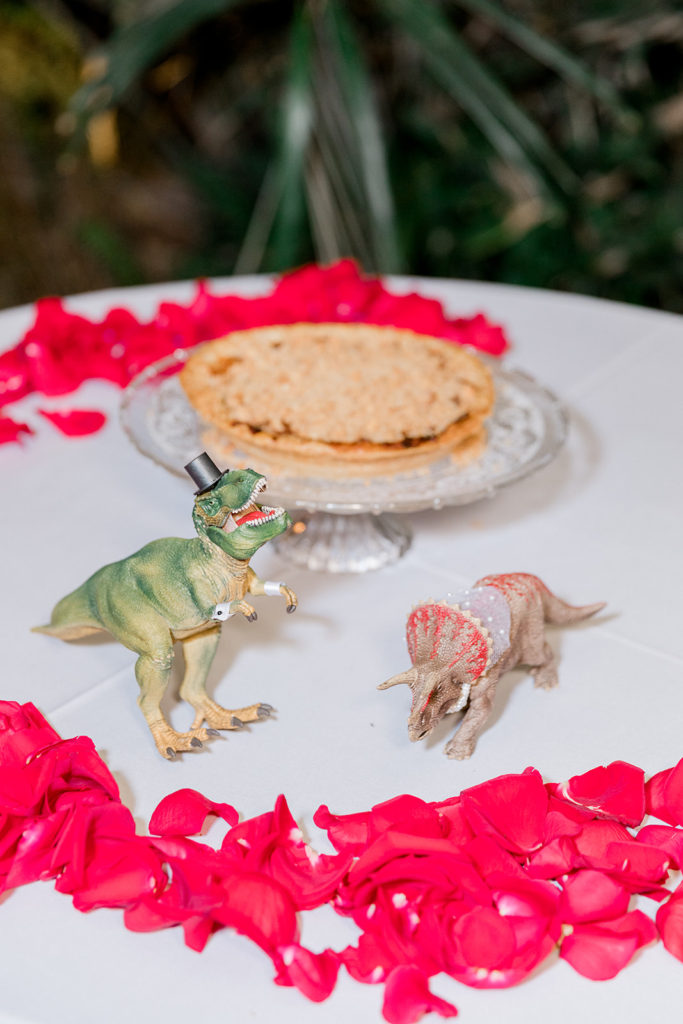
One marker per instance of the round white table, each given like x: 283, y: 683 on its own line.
x: 601, y: 522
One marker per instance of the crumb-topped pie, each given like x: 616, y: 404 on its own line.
x: 340, y: 399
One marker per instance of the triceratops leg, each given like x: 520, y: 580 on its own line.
x: 481, y: 701
x: 199, y: 651
x: 152, y: 674
x: 545, y: 673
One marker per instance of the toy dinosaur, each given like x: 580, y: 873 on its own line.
x: 460, y: 648
x: 177, y: 589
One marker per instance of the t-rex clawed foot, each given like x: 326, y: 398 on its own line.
x: 169, y: 742
x: 217, y: 717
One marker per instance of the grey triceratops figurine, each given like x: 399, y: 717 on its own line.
x: 460, y: 649
x: 175, y: 589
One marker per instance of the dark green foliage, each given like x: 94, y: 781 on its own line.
x: 525, y: 141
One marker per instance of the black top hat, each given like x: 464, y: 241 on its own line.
x: 204, y: 472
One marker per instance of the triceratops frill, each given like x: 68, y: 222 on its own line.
x: 459, y: 649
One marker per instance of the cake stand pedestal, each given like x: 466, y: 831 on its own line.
x: 326, y: 542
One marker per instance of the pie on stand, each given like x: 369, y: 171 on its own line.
x: 601, y: 521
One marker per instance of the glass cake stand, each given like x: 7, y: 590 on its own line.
x: 354, y: 525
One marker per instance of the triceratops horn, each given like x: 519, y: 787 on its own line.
x: 403, y: 677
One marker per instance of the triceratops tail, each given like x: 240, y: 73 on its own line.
x: 72, y: 618
x: 559, y: 613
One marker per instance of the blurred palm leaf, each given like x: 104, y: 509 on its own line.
x: 135, y: 47
x: 450, y: 61
x: 327, y: 179
x: 350, y: 176
x: 280, y: 208
x: 553, y: 56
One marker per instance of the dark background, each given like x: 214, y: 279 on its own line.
x: 538, y: 143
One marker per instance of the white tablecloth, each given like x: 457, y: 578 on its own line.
x: 602, y: 522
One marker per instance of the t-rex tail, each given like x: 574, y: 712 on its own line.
x: 72, y: 618
x: 559, y: 613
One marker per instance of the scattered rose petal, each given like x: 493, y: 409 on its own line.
x: 617, y: 791
x: 14, y: 378
x: 667, y: 838
x: 75, y: 422
x: 489, y: 858
x: 511, y: 808
x: 405, y: 814
x: 260, y: 908
x: 407, y: 997
x: 591, y: 896
x: 314, y: 974
x: 480, y: 333
x: 184, y: 813
x: 670, y: 923
x: 594, y: 838
x: 347, y: 832
x: 639, y: 867
x: 454, y: 820
x: 483, y: 886
x: 601, y: 950
x: 664, y: 795
x: 557, y: 858
x: 23, y: 732
x: 11, y: 430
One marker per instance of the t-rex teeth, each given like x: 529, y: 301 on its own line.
x: 269, y: 515
x: 259, y: 486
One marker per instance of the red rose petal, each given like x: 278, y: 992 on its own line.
x: 488, y: 857
x: 511, y: 808
x: 370, y: 961
x: 314, y: 974
x: 403, y: 857
x: 638, y: 866
x: 405, y: 814
x: 666, y: 838
x: 482, y: 334
x: 664, y: 795
x: 557, y: 858
x: 563, y: 819
x: 486, y: 939
x: 75, y: 422
x: 310, y: 878
x: 14, y: 377
x: 454, y: 820
x: 23, y: 732
x: 670, y: 923
x: 595, y: 837
x: 120, y: 873
x: 407, y: 997
x: 525, y: 897
x: 184, y: 813
x: 616, y: 791
x: 348, y: 833
x: 601, y: 950
x: 443, y: 886
x: 11, y: 430
x: 260, y: 908
x: 591, y: 896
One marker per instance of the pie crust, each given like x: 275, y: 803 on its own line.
x: 339, y: 399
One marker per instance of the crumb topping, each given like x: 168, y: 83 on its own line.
x: 337, y: 383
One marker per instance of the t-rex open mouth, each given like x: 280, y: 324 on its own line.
x: 251, y: 514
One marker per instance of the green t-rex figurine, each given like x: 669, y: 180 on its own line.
x: 176, y: 589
